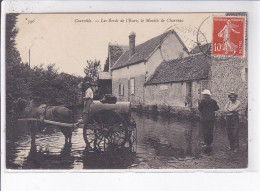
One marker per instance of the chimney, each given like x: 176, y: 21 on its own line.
x: 132, y: 43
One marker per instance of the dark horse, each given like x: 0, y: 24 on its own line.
x: 30, y: 109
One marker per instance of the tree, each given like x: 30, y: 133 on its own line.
x: 43, y: 85
x: 16, y: 72
x: 12, y: 54
x: 91, y: 70
x: 106, y: 66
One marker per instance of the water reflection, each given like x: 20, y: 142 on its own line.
x: 115, y: 159
x: 39, y: 159
x: 167, y: 136
x: 159, y: 140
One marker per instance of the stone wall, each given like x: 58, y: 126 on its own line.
x: 171, y: 94
x: 225, y: 76
x: 229, y: 75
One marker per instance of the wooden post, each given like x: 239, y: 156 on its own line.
x: 33, y: 134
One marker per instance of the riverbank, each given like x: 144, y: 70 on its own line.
x: 180, y: 147
x: 163, y: 142
x: 185, y: 113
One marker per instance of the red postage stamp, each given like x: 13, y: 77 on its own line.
x: 228, y: 36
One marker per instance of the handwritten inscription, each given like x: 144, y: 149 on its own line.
x: 29, y: 21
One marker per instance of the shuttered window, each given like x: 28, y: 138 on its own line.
x: 132, y: 86
x: 121, y: 89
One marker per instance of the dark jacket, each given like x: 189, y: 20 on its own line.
x: 207, y: 108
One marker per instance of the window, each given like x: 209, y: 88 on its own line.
x: 132, y: 86
x: 121, y: 89
x: 188, y: 101
x: 189, y: 89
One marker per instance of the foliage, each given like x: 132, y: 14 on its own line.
x: 91, y: 70
x: 44, y: 85
x: 15, y: 78
x: 106, y: 66
x: 49, y: 86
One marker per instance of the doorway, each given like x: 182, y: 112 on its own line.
x: 188, y: 101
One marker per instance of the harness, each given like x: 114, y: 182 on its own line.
x: 42, y: 109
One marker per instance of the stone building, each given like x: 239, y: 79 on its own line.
x: 162, y: 72
x: 230, y: 74
x: 135, y: 66
x: 179, y: 82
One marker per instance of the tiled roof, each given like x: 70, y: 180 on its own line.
x: 184, y: 69
x: 142, y: 51
x: 115, y: 52
x: 205, y: 48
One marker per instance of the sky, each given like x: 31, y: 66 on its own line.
x: 69, y: 40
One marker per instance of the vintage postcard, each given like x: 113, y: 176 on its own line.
x: 126, y: 91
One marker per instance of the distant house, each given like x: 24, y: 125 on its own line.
x: 105, y: 79
x: 135, y: 66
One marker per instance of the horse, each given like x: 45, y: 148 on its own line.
x: 30, y: 109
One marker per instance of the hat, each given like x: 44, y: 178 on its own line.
x: 232, y: 93
x: 206, y: 92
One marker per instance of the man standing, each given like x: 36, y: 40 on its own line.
x: 232, y: 117
x: 88, y: 99
x: 207, y: 108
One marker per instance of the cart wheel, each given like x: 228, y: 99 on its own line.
x: 91, y: 135
x: 106, y: 130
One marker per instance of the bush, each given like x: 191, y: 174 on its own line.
x: 43, y: 85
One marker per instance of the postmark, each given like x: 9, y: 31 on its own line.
x: 228, y: 36
x: 192, y: 38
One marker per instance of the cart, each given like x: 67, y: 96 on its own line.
x: 110, y: 126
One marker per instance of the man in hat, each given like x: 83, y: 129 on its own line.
x: 232, y: 117
x: 207, y: 108
x: 88, y: 99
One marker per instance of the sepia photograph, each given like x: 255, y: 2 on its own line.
x: 126, y: 91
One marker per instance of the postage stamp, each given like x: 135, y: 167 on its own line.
x: 228, y: 36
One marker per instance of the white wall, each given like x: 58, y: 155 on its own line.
x: 130, y: 71
x: 171, y: 49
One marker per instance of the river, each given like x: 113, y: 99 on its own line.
x: 161, y: 143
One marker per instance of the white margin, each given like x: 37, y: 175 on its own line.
x: 19, y: 180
